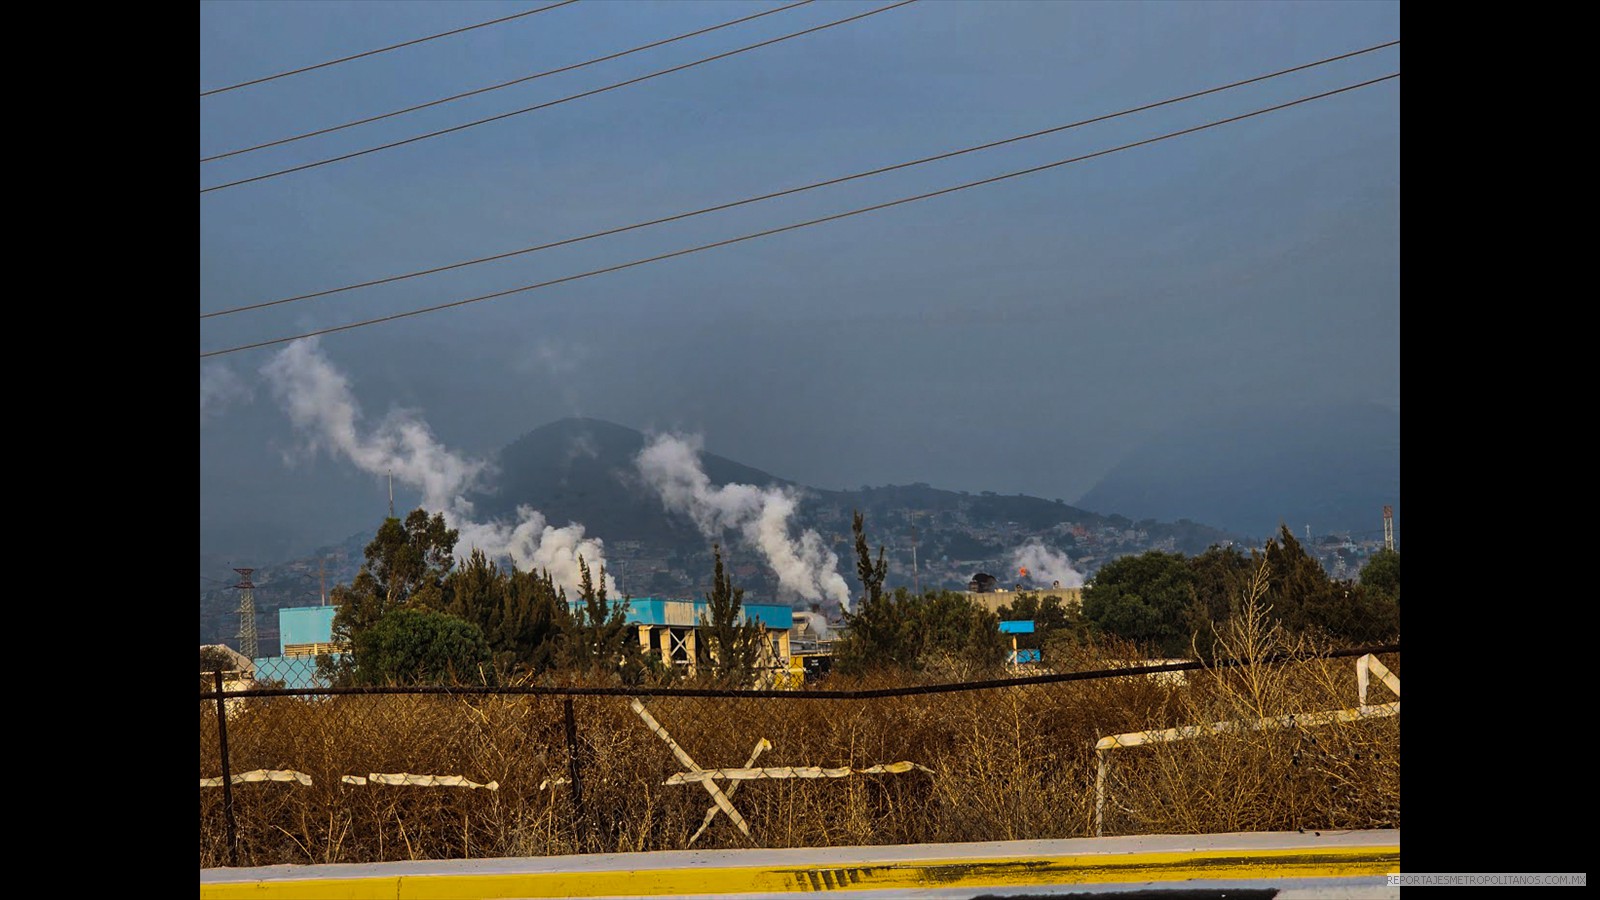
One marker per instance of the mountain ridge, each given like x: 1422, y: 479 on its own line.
x: 581, y: 470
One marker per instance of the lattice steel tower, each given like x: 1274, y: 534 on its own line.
x: 247, y: 614
x: 1388, y: 527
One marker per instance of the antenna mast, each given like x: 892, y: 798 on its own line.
x: 915, y: 581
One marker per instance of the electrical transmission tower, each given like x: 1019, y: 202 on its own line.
x: 247, y: 614
x: 1388, y: 527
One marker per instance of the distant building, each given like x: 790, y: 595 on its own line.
x: 670, y: 627
x: 666, y: 627
x: 811, y: 641
x: 238, y: 671
x: 993, y: 598
x: 304, y: 633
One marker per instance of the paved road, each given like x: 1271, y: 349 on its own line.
x: 1289, y: 866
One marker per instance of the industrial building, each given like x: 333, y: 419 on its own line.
x: 994, y: 598
x: 303, y: 633
x: 668, y: 628
x: 665, y: 627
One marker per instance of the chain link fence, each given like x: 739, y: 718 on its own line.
x: 378, y: 774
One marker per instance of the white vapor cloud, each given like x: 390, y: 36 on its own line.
x: 1045, y: 564
x: 317, y: 398
x: 760, y: 516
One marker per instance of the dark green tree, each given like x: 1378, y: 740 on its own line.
x: 1046, y: 612
x: 1145, y: 599
x: 729, y: 649
x: 1057, y: 625
x: 871, y: 574
x: 954, y: 628
x: 413, y: 646
x: 1305, y: 600
x: 901, y: 631
x: 536, y: 620
x: 1221, y: 581
x: 523, y: 615
x: 600, y: 642
x: 1381, y: 574
x: 406, y: 566
x: 882, y: 632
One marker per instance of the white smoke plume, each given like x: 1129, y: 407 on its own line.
x: 536, y: 545
x: 761, y: 517
x: 1045, y: 565
x: 318, y: 401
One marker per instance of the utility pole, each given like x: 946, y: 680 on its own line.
x: 391, y: 493
x: 322, y: 579
x: 247, y: 615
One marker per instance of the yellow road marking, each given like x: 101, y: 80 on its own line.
x: 1079, y: 869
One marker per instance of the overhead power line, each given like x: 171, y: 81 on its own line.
x: 799, y: 225
x: 345, y: 59
x: 794, y: 190
x: 503, y: 84
x: 518, y: 112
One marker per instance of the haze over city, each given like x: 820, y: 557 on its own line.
x: 1022, y: 336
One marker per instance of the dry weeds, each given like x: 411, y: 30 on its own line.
x: 1008, y: 763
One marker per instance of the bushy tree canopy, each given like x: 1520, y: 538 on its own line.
x: 1381, y: 574
x: 406, y: 566
x: 410, y: 646
x: 1145, y: 599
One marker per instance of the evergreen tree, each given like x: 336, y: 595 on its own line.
x: 871, y: 575
x: 1305, y: 600
x: 1222, y: 577
x: 899, y: 630
x: 728, y: 648
x: 523, y: 615
x: 1056, y: 627
x: 600, y: 641
x: 1381, y: 574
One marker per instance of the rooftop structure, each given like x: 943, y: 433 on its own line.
x: 670, y: 627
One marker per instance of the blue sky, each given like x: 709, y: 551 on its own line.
x: 1017, y: 337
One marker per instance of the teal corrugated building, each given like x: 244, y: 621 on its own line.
x: 668, y: 627
x: 665, y: 626
x: 303, y: 633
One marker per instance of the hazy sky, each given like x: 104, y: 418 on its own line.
x: 1016, y: 337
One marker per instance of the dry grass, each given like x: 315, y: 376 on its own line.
x: 1339, y: 775
x: 1008, y: 763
